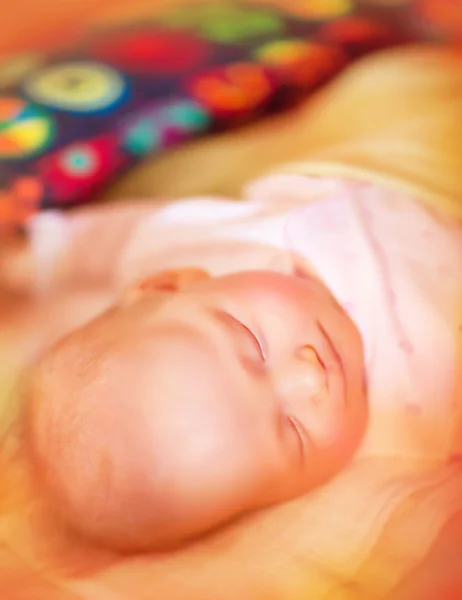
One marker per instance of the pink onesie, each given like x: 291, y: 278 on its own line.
x: 391, y: 263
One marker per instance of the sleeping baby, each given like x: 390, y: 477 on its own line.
x: 244, y: 348
x: 243, y: 352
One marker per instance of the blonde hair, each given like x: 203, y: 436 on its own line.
x: 395, y: 117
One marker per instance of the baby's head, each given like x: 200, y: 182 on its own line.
x: 196, y: 400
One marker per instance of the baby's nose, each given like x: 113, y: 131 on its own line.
x: 302, y: 376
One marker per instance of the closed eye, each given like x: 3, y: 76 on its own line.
x: 302, y: 434
x: 242, y: 334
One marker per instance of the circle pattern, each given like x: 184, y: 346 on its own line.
x: 226, y: 23
x: 80, y: 161
x: 25, y: 129
x: 142, y: 137
x: 78, y: 87
x: 301, y: 63
x: 79, y: 169
x: 183, y: 55
x: 282, y: 52
x: 154, y: 129
x: 151, y: 51
x: 187, y: 115
x: 357, y: 31
x: 235, y: 89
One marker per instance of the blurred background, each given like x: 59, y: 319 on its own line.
x: 27, y: 24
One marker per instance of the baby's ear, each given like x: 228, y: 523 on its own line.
x: 172, y: 281
x: 167, y: 281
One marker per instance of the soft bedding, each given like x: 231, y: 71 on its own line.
x: 384, y: 529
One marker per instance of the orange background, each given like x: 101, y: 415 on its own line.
x: 30, y: 24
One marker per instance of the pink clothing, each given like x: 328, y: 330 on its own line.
x: 393, y: 265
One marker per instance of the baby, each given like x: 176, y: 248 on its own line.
x: 235, y: 367
x: 237, y: 350
x: 203, y: 393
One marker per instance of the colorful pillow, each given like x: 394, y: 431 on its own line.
x: 74, y: 122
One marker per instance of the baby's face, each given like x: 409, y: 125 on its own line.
x: 230, y: 394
